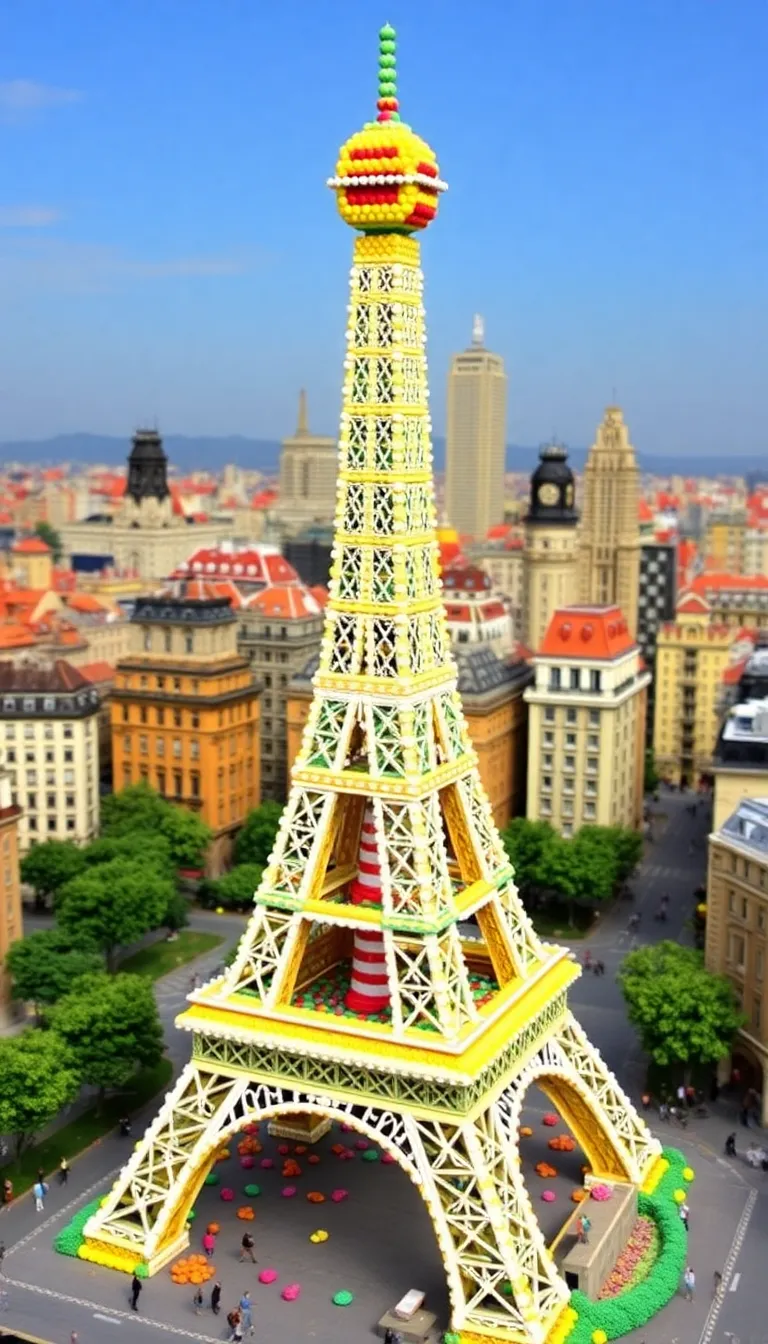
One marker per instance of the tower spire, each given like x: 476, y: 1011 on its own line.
x: 302, y: 424
x: 387, y: 105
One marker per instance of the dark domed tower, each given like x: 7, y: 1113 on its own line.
x: 550, y: 554
x: 147, y: 501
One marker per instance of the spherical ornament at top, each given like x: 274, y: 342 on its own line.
x: 387, y: 179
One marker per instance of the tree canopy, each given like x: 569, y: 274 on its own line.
x: 44, y: 966
x: 48, y: 866
x: 582, y: 870
x: 257, y: 836
x: 139, y: 809
x: 155, y: 850
x: 37, y: 1079
x: 114, y: 903
x: 235, y: 890
x: 684, y: 1014
x: 52, y: 538
x: 110, y: 1027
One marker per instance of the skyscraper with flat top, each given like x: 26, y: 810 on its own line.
x: 477, y: 416
x: 609, y: 554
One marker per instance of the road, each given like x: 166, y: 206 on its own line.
x: 51, y: 1296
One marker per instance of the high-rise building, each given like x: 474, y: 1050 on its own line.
x: 657, y: 594
x: 737, y: 921
x: 740, y: 759
x: 609, y: 553
x: 185, y: 714
x: 586, y: 725
x: 550, y: 552
x: 49, y: 717
x: 476, y: 438
x: 308, y: 468
x: 10, y: 886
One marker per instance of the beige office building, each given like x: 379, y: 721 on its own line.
x: 308, y: 468
x: 609, y: 559
x: 550, y: 553
x: 476, y: 438
x: 586, y: 722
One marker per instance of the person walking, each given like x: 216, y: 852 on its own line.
x: 717, y: 1283
x: 246, y: 1307
x: 730, y: 1145
x: 689, y: 1280
x: 2, y: 1257
x: 63, y: 1171
x: 586, y: 1228
x: 4, y: 1303
x: 136, y: 1286
x: 40, y: 1190
x: 197, y: 1300
x: 234, y: 1323
x: 216, y: 1297
x: 684, y: 1211
x: 209, y: 1243
x: 246, y: 1248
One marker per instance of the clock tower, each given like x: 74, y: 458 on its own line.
x: 550, y: 553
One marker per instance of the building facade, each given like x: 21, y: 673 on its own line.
x: 474, y: 613
x: 308, y: 467
x: 692, y: 654
x: 476, y: 438
x: 502, y: 559
x: 586, y: 724
x: 657, y: 596
x: 734, y: 599
x: 49, y: 714
x: 740, y: 760
x: 737, y: 924
x: 185, y: 714
x: 10, y: 888
x: 609, y: 559
x: 149, y: 534
x: 550, y: 554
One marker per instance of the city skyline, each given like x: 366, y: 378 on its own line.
x: 147, y: 225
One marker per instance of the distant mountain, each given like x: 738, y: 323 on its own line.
x: 190, y: 453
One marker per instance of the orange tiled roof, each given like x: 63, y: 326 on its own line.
x: 15, y: 636
x: 99, y: 671
x: 705, y: 583
x: 85, y: 602
x: 645, y: 512
x: 587, y: 632
x: 30, y: 546
x: 320, y: 594
x: 255, y: 564
x: 289, y: 602
x: 693, y: 604
x: 732, y: 675
x: 264, y: 499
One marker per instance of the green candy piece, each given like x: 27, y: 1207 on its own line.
x: 387, y: 46
x: 370, y: 1155
x: 342, y: 1298
x: 387, y: 32
x: 212, y: 1178
x: 141, y: 1270
x: 191, y: 1216
x: 386, y: 60
x: 253, y: 1190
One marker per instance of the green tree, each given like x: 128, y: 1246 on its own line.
x: 37, y: 1078
x: 114, y: 904
x: 110, y: 1027
x: 137, y: 808
x: 187, y: 836
x: 45, y: 965
x: 530, y: 846
x: 48, y: 866
x: 235, y: 890
x: 650, y: 773
x: 628, y: 848
x: 155, y: 850
x: 257, y: 836
x: 51, y: 538
x: 684, y: 1014
x: 176, y: 914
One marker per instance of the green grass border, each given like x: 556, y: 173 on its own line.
x: 93, y: 1124
x: 618, y: 1316
x: 162, y: 958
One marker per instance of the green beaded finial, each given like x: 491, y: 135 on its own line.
x: 387, y: 101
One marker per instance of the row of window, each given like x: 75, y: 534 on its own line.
x: 188, y: 637
x: 589, y: 811
x: 31, y: 755
x: 571, y: 715
x: 53, y: 778
x: 590, y: 785
x: 591, y: 765
x: 756, y: 873
x: 742, y: 908
x: 51, y: 825
x: 591, y: 681
x: 51, y: 731
x: 184, y: 718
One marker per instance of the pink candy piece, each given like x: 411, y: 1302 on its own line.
x: 247, y: 1162
x: 291, y: 1292
x: 387, y: 1159
x: 288, y: 1191
x: 548, y: 1196
x: 349, y: 1153
x: 361, y: 1145
x: 251, y: 1129
x: 345, y: 1128
x: 284, y: 1149
x: 266, y: 1163
x: 268, y: 1276
x: 227, y: 1194
x: 338, y: 1195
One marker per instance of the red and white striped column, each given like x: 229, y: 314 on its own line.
x: 369, y: 988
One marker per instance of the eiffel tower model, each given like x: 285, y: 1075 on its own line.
x: 353, y: 995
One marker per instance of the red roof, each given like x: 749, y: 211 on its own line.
x: 30, y: 546
x: 705, y: 583
x: 645, y: 512
x: 86, y: 603
x: 320, y: 594
x: 498, y: 531
x: 587, y: 632
x: 290, y: 602
x: 732, y: 675
x: 98, y: 672
x: 256, y: 565
x: 693, y: 604
x: 264, y: 499
x: 465, y: 579
x: 204, y: 588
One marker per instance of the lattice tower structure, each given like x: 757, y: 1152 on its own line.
x: 437, y: 1077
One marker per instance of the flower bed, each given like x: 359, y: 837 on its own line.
x: 632, y: 1307
x: 636, y: 1260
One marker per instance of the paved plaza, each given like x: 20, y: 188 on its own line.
x: 381, y: 1241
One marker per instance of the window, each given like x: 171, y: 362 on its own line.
x: 594, y: 680
x: 731, y: 901
x: 177, y: 746
x: 29, y: 731
x: 756, y: 1012
x: 195, y: 719
x: 147, y: 637
x: 167, y: 640
x: 736, y: 951
x: 177, y: 718
x: 195, y: 685
x: 31, y: 776
x: 177, y: 783
x: 160, y: 685
x: 143, y: 683
x: 570, y: 739
x: 142, y: 713
x: 126, y: 716
x: 177, y: 683
x: 567, y: 829
x: 69, y: 800
x: 575, y: 678
x: 143, y: 745
x: 546, y: 781
x: 32, y: 802
x: 589, y: 811
x: 554, y: 678
x: 744, y: 907
x: 51, y: 823
x: 549, y: 714
x: 594, y: 718
x: 570, y: 763
x: 591, y: 765
x: 194, y: 779
x: 547, y: 759
x: 70, y: 823
x: 160, y: 712
x: 127, y: 742
x: 161, y: 781
x: 189, y: 642
x: 761, y: 918
x: 48, y: 732
x: 10, y: 730
x: 759, y: 963
x: 160, y: 745
x: 32, y: 823
x: 194, y: 749
x: 570, y: 716
x: 69, y: 754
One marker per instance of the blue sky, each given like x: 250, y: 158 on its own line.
x: 168, y: 248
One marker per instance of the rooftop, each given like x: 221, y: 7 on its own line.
x: 743, y: 740
x: 49, y: 678
x: 748, y: 825
x: 587, y: 632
